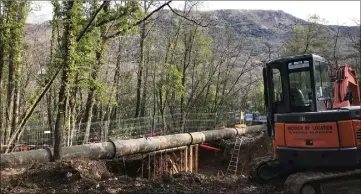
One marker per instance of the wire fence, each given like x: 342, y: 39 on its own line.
x: 36, y: 137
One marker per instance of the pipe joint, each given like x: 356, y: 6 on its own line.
x: 114, y: 148
x: 197, y: 138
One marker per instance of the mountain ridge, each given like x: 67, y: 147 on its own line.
x: 259, y: 27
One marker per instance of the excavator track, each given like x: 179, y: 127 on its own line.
x: 311, y: 182
x: 263, y: 169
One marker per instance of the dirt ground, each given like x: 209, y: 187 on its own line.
x: 87, y: 176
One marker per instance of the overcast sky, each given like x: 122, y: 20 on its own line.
x: 335, y: 12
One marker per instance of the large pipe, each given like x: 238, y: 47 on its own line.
x: 118, y: 148
x: 145, y: 145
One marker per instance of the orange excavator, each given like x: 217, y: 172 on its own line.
x: 313, y: 117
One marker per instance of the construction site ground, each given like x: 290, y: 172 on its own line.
x: 89, y: 176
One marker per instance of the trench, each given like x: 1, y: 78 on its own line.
x: 210, y: 163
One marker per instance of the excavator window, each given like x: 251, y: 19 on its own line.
x: 300, y: 86
x: 323, y: 85
x: 277, y: 82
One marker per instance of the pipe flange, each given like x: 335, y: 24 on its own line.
x: 191, y: 143
x: 114, y: 148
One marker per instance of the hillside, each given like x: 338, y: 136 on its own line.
x: 265, y: 26
x: 233, y: 39
x: 258, y: 27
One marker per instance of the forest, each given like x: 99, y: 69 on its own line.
x: 102, y: 61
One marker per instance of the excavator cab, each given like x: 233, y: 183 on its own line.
x: 314, y: 122
x: 296, y: 84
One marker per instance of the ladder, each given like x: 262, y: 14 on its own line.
x: 233, y: 163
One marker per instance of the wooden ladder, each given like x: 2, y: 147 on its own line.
x: 233, y: 163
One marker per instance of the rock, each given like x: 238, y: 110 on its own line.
x: 111, y: 190
x: 69, y: 175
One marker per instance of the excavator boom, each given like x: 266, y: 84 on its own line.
x: 346, y: 92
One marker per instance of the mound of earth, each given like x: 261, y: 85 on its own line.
x: 86, y: 176
x: 70, y: 176
x: 184, y: 183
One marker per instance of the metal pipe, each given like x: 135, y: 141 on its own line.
x: 154, y: 165
x: 142, y: 166
x: 119, y: 148
x: 149, y: 177
x: 161, y: 163
x: 196, y: 158
x: 150, y: 144
x: 191, y: 158
x: 181, y: 161
x: 91, y: 151
x: 26, y: 157
x: 186, y: 159
x: 214, y: 135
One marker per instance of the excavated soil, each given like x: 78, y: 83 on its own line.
x: 88, y: 176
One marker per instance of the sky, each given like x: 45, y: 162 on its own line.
x: 335, y: 12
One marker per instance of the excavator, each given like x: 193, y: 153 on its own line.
x: 313, y: 118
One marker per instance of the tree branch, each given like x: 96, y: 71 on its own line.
x: 82, y: 33
x: 356, y: 43
x: 151, y: 13
x: 31, y: 109
x: 140, y: 21
x: 184, y: 17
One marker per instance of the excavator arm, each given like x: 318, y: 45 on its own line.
x: 346, y: 89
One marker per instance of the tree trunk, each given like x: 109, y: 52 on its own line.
x: 50, y: 116
x: 16, y: 94
x: 2, y: 63
x: 94, y: 76
x: 154, y: 99
x: 88, y: 112
x: 114, y: 111
x: 11, y: 85
x: 215, y: 103
x: 60, y: 119
x: 140, y: 69
x: 144, y: 96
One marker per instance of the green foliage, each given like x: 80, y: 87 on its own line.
x: 12, y: 38
x: 173, y: 80
x: 123, y: 18
x: 18, y: 13
x: 76, y: 20
x: 203, y: 42
x: 257, y: 98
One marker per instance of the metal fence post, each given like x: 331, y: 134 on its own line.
x: 106, y: 130
x: 215, y: 120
